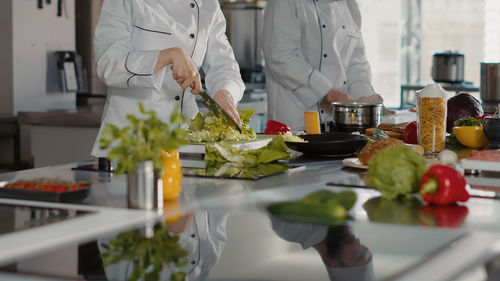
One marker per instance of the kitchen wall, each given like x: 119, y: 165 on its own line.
x: 35, y: 33
x: 6, y: 106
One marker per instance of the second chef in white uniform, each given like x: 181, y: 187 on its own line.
x: 150, y: 51
x: 314, y: 55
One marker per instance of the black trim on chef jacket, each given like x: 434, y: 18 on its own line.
x: 133, y: 73
x: 192, y: 35
x: 321, y: 52
x: 199, y: 248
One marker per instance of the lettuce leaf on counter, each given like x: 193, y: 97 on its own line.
x: 210, y: 128
x: 396, y: 171
x: 236, y: 170
x: 221, y: 152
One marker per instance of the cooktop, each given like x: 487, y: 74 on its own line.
x: 15, y: 218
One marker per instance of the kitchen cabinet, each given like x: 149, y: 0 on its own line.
x: 58, y: 137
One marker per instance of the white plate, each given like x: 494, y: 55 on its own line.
x: 354, y: 162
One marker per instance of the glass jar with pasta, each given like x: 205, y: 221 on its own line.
x: 431, y: 110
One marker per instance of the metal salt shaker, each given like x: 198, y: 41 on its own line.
x: 144, y: 190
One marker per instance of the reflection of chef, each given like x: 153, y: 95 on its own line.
x: 202, y: 234
x: 345, y: 258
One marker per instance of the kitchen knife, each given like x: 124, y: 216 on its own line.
x: 215, y: 108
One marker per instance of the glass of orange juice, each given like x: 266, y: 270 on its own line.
x: 311, y: 120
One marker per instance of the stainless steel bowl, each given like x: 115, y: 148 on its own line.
x: 356, y: 117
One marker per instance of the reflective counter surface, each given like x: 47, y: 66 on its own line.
x: 227, y: 234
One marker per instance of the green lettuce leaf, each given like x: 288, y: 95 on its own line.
x: 396, y: 171
x: 210, y: 128
x: 220, y: 152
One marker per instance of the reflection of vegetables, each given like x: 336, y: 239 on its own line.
x: 274, y: 127
x: 229, y: 169
x: 208, y: 128
x: 148, y: 255
x: 443, y: 216
x: 275, y: 150
x: 299, y: 209
x: 344, y: 198
x: 410, y: 133
x: 396, y: 171
x: 461, y: 106
x: 172, y: 175
x: 403, y: 210
x: 443, y: 185
x: 143, y: 140
x: 322, y: 204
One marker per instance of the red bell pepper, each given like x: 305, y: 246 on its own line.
x: 443, y: 185
x: 410, y: 133
x: 443, y: 216
x: 480, y: 118
x: 274, y: 127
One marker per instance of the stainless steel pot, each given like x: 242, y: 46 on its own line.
x: 356, y: 117
x: 448, y: 67
x: 490, y: 82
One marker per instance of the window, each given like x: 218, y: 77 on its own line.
x: 471, y: 27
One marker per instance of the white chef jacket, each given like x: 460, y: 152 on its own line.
x: 129, y: 37
x: 311, y: 46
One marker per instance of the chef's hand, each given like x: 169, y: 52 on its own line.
x: 375, y: 98
x: 225, y: 100
x: 334, y: 95
x: 183, y: 69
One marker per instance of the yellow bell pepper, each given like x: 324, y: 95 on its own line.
x: 172, y: 175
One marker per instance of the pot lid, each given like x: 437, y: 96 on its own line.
x: 356, y: 104
x: 448, y: 53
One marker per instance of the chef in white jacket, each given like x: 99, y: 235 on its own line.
x: 150, y: 51
x: 314, y: 55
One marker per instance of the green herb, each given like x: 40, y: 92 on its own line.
x: 143, y: 140
x: 220, y: 152
x: 470, y: 121
x: 396, y: 171
x: 149, y: 255
x: 210, y: 128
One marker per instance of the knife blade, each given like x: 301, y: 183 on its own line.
x: 215, y: 108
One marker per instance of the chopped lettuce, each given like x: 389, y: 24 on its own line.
x: 210, y: 128
x: 396, y: 171
x: 221, y: 152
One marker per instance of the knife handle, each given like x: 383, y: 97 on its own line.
x: 59, y: 8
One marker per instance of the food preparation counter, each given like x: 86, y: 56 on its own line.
x: 229, y: 235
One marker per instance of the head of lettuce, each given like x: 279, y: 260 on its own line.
x: 396, y: 171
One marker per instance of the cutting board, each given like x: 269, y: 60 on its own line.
x: 199, y: 148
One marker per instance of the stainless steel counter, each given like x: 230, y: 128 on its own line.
x: 406, y: 241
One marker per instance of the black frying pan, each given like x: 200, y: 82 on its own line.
x: 329, y: 144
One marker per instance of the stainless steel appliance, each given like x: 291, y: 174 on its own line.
x: 244, y: 21
x: 448, y: 67
x: 356, y: 117
x: 490, y: 82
